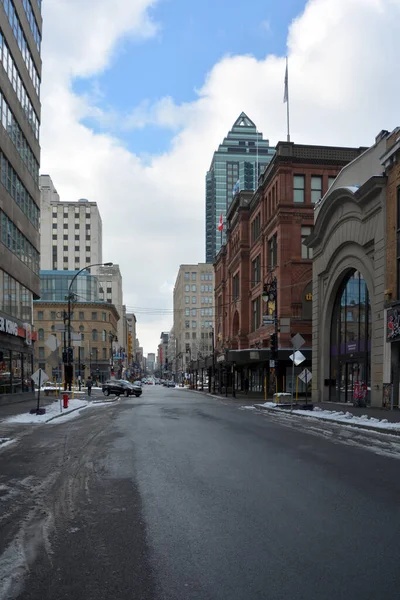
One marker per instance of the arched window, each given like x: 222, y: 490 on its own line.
x: 351, y: 341
x: 41, y: 335
x: 103, y: 335
x: 94, y: 335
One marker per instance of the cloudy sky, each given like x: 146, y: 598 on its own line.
x: 137, y: 95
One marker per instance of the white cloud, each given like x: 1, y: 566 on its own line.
x: 343, y: 90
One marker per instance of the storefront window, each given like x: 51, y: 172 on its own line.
x: 27, y: 372
x: 351, y: 342
x: 5, y: 372
x: 16, y: 369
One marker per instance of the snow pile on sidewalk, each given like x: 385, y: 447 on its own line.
x: 52, y: 411
x: 339, y: 417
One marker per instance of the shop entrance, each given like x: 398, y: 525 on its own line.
x: 354, y: 382
x: 350, y: 372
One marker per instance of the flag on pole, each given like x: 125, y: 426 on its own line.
x: 236, y: 188
x: 286, y: 92
x: 221, y: 223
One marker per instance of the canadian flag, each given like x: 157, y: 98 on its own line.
x: 221, y: 223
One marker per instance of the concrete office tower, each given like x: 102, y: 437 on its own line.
x: 193, y: 314
x: 110, y: 290
x: 71, y: 232
x: 20, y: 42
x: 236, y: 166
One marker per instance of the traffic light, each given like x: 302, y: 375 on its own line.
x: 68, y: 356
x: 274, y: 346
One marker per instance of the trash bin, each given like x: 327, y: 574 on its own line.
x: 65, y: 400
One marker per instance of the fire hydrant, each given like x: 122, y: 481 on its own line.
x: 65, y: 400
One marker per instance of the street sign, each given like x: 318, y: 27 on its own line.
x: 268, y: 321
x: 39, y: 375
x: 52, y: 343
x: 297, y: 358
x: 59, y: 327
x: 305, y: 376
x: 272, y: 364
x: 53, y: 360
x: 298, y: 341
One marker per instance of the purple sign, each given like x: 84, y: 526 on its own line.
x: 352, y: 347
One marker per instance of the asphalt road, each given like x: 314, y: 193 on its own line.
x: 179, y: 496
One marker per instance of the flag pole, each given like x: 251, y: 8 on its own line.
x: 287, y: 99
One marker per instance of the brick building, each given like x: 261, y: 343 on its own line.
x: 265, y: 235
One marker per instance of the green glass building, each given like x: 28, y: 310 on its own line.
x: 236, y: 165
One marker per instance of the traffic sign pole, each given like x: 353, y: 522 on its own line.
x: 38, y: 396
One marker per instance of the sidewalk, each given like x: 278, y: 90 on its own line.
x: 20, y: 408
x: 393, y: 416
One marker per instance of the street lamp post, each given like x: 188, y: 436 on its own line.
x: 270, y: 294
x: 112, y: 337
x: 68, y: 358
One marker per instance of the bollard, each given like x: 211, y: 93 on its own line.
x: 65, y: 400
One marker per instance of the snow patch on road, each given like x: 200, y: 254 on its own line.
x: 52, y: 411
x: 338, y: 417
x: 4, y: 442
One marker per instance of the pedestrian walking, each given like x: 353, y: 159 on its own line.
x: 89, y: 384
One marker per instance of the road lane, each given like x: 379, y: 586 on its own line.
x: 176, y: 495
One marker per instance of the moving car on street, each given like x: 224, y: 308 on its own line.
x: 120, y: 387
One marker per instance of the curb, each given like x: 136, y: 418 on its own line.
x: 349, y: 424
x: 66, y: 413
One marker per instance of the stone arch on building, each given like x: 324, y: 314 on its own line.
x: 349, y: 257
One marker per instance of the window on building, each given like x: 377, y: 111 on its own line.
x: 194, y: 335
x: 305, y: 232
x: 194, y: 289
x: 298, y: 188
x: 255, y: 228
x: 194, y: 312
x: 87, y: 238
x: 255, y: 314
x: 194, y: 324
x: 103, y: 335
x: 202, y: 277
x: 76, y: 226
x: 40, y: 315
x: 52, y: 315
x: 187, y: 336
x: 187, y: 324
x: 256, y: 270
x: 194, y: 300
x: 76, y: 248
x: 94, y: 316
x: 273, y: 252
x: 41, y: 351
x: 41, y: 335
x: 316, y: 188
x: 95, y: 335
x: 77, y: 238
x: 210, y: 300
x: 187, y: 288
x: 194, y: 276
x: 187, y: 276
x: 54, y: 225
x: 104, y: 316
x: 104, y: 353
x: 55, y: 237
x: 235, y: 287
x: 187, y: 299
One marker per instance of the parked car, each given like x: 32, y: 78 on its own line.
x: 120, y: 387
x: 171, y: 384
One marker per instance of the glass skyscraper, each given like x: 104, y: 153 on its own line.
x: 236, y: 166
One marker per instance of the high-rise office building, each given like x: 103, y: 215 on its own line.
x: 70, y: 232
x: 193, y: 314
x: 110, y: 290
x: 20, y: 74
x: 236, y: 165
